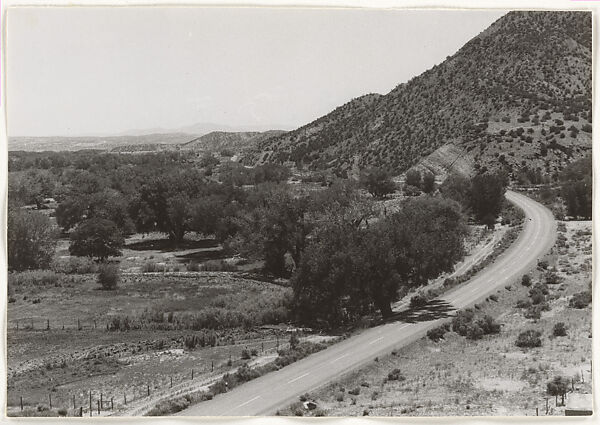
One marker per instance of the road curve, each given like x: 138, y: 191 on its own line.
x: 264, y: 395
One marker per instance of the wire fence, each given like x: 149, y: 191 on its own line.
x: 108, y: 400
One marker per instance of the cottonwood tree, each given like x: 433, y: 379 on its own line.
x: 348, y: 270
x: 96, y: 238
x: 31, y: 239
x: 559, y: 386
x: 487, y: 197
x: 272, y: 225
x: 377, y: 182
x: 428, y: 183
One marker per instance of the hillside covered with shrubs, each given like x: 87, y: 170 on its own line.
x: 517, y: 97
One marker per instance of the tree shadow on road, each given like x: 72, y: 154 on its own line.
x: 433, y: 310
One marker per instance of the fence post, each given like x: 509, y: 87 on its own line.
x: 50, y: 400
x: 94, y: 324
x: 112, y: 405
x: 148, y: 390
x: 171, y: 382
x: 48, y: 324
x: 90, y: 403
x: 81, y: 411
x: 74, y: 407
x: 78, y: 324
x: 125, y: 399
x: 537, y: 413
x: 98, y: 407
x: 101, y: 402
x: 21, y: 402
x: 17, y: 325
x: 212, y: 365
x: 192, y: 373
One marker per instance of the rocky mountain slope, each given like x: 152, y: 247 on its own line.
x: 232, y: 141
x: 517, y: 95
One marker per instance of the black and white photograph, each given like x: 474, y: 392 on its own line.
x: 297, y: 212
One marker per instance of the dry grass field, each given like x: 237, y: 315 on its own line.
x: 223, y: 311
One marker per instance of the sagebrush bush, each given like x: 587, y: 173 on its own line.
x: 396, y: 375
x: 529, y: 339
x: 108, y: 276
x: 559, y: 329
x: 526, y: 280
x: 581, y: 299
x: 418, y: 300
x: 438, y: 333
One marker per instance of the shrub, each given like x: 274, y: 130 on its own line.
x: 559, y: 329
x: 537, y: 296
x: 217, y: 266
x: 192, y: 266
x: 494, y: 297
x: 581, y: 299
x: 437, y: 333
x: 528, y: 339
x: 526, y: 280
x: 149, y: 267
x: 246, y: 354
x: 523, y: 304
x: 62, y: 412
x: 354, y: 391
x: 419, y: 300
x: 462, y: 320
x: 395, y: 375
x: 108, y: 276
x: 32, y: 278
x: 488, y: 325
x: 534, y: 312
x: 75, y: 265
x: 552, y: 278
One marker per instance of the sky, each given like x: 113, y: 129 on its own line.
x: 99, y: 71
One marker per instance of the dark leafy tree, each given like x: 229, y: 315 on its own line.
x: 458, y: 188
x: 275, y: 225
x: 576, y: 188
x: 31, y: 239
x: 348, y: 270
x: 487, y: 197
x: 96, y: 238
x: 559, y: 386
x: 377, y: 182
x: 428, y: 184
x: 413, y: 178
x: 108, y: 276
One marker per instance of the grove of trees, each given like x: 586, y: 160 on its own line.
x: 482, y: 196
x: 349, y: 269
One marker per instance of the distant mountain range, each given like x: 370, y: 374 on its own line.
x: 517, y: 95
x: 133, y: 140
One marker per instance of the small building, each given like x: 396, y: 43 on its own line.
x: 579, y: 405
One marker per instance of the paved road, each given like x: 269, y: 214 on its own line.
x: 263, y: 396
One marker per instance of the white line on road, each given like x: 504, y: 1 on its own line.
x: 375, y: 340
x: 300, y: 377
x: 249, y: 401
x: 339, y: 358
